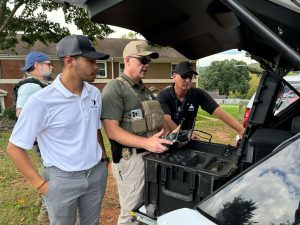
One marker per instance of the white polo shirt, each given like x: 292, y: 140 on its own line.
x: 64, y: 124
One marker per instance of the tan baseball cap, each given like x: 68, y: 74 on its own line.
x: 140, y: 48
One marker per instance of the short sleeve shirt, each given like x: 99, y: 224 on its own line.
x: 24, y: 92
x: 195, y: 97
x: 64, y: 124
x: 119, y: 101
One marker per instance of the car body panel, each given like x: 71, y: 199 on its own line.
x: 275, y: 203
x: 181, y: 216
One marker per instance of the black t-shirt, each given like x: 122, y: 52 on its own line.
x: 188, y: 108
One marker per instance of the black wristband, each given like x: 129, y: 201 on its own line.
x: 41, y: 185
x: 105, y: 159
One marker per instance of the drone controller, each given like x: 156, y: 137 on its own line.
x: 180, y: 137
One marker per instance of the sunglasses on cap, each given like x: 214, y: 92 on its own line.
x: 187, y: 75
x: 142, y: 60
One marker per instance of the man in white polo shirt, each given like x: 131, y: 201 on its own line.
x: 66, y: 122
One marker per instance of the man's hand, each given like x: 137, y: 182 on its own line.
x: 194, y: 136
x: 177, y: 129
x: 44, y: 189
x: 241, y: 133
x: 157, y: 144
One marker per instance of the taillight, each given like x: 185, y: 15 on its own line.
x: 246, y: 117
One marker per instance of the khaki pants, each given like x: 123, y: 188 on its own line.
x: 129, y: 175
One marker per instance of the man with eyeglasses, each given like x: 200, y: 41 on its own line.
x: 181, y: 101
x: 38, y: 71
x: 124, y: 123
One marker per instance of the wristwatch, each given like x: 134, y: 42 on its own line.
x: 105, y: 159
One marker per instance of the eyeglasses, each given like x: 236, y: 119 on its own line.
x: 187, y: 75
x: 142, y: 60
x: 48, y: 63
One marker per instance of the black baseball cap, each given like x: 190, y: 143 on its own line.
x: 184, y: 67
x: 78, y: 45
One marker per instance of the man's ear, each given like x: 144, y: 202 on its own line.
x: 173, y: 75
x: 126, y: 60
x: 68, y: 60
x: 36, y: 65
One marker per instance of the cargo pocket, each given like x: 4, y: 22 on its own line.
x: 154, y: 115
x: 154, y: 120
x: 139, y: 126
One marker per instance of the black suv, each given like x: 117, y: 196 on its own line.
x: 259, y: 182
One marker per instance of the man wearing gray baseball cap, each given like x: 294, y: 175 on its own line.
x: 66, y: 122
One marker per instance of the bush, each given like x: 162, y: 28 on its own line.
x: 9, y: 113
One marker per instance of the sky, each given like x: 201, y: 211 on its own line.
x: 59, y: 18
x: 231, y: 54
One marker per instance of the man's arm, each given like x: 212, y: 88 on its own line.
x: 229, y: 120
x: 169, y: 123
x: 18, y: 111
x: 118, y: 134
x: 101, y: 142
x: 24, y: 164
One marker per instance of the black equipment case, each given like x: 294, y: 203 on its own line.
x: 182, y: 177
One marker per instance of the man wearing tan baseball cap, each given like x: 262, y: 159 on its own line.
x: 124, y: 123
x: 139, y: 48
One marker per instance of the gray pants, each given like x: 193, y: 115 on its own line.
x: 71, y: 190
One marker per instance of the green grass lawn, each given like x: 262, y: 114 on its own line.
x: 17, y: 197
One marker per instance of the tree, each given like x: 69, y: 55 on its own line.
x: 32, y: 24
x: 237, y: 212
x: 130, y: 35
x: 255, y: 68
x: 226, y: 76
x: 253, y: 85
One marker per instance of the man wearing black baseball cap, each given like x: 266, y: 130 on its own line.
x: 181, y: 101
x: 66, y: 122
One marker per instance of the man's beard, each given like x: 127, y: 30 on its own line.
x: 47, y: 76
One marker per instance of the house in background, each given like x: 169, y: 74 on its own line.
x: 158, y: 76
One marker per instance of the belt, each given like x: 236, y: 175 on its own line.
x: 136, y: 150
x: 127, y: 152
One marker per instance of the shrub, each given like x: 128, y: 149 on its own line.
x: 9, y: 113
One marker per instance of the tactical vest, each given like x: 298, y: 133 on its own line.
x: 151, y: 120
x: 25, y: 81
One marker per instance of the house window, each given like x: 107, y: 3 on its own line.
x: 102, y: 70
x: 121, y: 68
x: 172, y: 69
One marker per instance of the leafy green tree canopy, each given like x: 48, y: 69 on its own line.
x: 226, y: 76
x: 130, y: 35
x: 32, y: 24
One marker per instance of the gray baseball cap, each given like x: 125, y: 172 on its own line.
x: 78, y: 45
